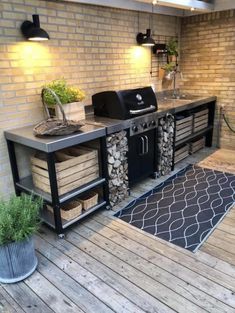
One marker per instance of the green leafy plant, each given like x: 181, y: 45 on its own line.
x: 169, y: 67
x: 19, y: 218
x: 172, y: 47
x: 65, y: 93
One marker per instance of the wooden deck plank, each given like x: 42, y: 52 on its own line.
x: 8, y: 304
x: 54, y: 299
x: 181, y: 256
x: 230, y: 218
x: 113, y: 279
x: 230, y: 229
x: 26, y: 298
x: 140, y: 279
x: 171, y: 274
x: 220, y: 254
x: 222, y: 243
x: 106, y: 294
x: 73, y: 290
x: 223, y: 235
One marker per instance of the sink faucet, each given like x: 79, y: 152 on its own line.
x: 175, y: 94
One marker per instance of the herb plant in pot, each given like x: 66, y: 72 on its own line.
x: 70, y: 98
x: 168, y: 69
x: 172, y: 50
x: 19, y: 220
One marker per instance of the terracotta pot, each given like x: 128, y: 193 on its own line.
x: 17, y: 261
x: 172, y: 58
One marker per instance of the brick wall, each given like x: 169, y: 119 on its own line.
x: 92, y: 47
x: 208, y: 62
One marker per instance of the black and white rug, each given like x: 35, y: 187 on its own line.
x: 184, y: 209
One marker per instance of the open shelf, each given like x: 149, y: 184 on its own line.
x: 192, y: 136
x: 48, y: 217
x: 26, y: 184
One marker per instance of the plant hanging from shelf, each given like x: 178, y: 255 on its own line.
x: 172, y: 47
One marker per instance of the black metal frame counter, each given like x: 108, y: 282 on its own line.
x: 24, y: 138
x: 167, y: 106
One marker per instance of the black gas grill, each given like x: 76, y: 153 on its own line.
x: 133, y: 104
x: 125, y: 104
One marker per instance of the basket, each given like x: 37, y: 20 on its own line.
x: 181, y: 153
x: 53, y: 126
x: 89, y: 200
x: 72, y: 210
x: 197, y: 145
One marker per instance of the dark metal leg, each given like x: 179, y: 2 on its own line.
x: 14, y: 167
x: 209, y: 135
x: 174, y: 141
x: 209, y: 138
x: 104, y: 161
x: 54, y: 192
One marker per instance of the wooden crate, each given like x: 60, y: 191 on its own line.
x: 70, y: 211
x: 184, y: 128
x: 197, y: 145
x: 74, y: 168
x: 89, y: 200
x: 181, y: 153
x: 74, y: 111
x: 200, y: 120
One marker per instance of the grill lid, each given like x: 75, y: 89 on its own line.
x: 124, y: 104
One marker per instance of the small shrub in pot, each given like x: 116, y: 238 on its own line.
x: 70, y: 97
x: 66, y: 93
x: 19, y: 220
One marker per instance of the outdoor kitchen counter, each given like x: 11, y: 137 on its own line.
x: 96, y: 127
x: 168, y: 105
x: 165, y: 105
x: 25, y: 136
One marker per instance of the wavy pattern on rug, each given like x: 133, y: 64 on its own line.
x: 184, y: 209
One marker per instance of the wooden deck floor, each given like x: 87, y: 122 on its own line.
x: 105, y: 265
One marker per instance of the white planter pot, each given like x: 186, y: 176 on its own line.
x: 17, y: 261
x: 73, y: 111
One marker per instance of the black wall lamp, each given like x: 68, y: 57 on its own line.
x: 32, y: 30
x: 145, y: 39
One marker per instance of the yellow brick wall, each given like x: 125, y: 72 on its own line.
x: 208, y: 63
x: 92, y: 47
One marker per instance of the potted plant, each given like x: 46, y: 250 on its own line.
x: 168, y: 70
x: 172, y: 50
x: 19, y: 220
x: 70, y: 97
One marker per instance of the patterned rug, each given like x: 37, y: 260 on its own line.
x: 184, y: 209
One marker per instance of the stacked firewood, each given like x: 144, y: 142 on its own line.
x: 165, y: 144
x: 117, y: 145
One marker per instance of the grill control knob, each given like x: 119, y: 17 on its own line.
x: 135, y: 129
x: 153, y: 123
x: 144, y: 125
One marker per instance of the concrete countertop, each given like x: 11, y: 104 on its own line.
x: 165, y: 105
x: 25, y: 136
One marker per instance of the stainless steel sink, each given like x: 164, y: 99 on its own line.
x: 181, y: 97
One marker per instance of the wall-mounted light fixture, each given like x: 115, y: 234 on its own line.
x: 145, y: 39
x: 32, y: 30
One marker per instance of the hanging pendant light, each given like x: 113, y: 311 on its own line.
x: 145, y: 39
x: 32, y: 30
